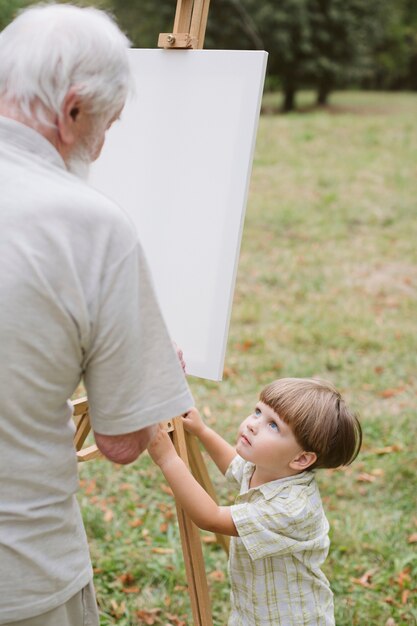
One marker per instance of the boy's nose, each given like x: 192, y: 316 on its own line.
x: 252, y: 426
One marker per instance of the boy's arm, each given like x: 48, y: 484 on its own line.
x: 220, y: 451
x: 195, y: 501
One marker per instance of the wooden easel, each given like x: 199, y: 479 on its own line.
x: 189, y: 31
x: 188, y: 449
x: 189, y: 25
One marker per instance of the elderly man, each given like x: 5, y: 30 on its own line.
x: 76, y: 303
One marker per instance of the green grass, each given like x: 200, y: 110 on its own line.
x: 327, y: 286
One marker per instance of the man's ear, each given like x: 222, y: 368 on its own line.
x: 68, y: 117
x: 303, y: 460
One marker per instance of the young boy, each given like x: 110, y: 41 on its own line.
x: 280, y: 533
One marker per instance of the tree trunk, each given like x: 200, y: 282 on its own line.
x: 323, y: 93
x: 289, y: 99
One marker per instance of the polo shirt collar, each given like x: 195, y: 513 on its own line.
x: 23, y: 138
x: 279, y: 486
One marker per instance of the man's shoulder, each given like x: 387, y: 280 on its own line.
x: 75, y: 201
x: 84, y: 196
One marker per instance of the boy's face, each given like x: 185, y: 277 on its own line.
x: 268, y: 442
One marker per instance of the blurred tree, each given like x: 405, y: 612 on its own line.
x: 320, y: 43
x: 143, y: 21
x: 395, y: 54
x: 8, y: 10
x: 343, y: 33
x: 281, y: 28
x: 232, y: 26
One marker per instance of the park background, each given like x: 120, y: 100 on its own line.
x: 327, y: 286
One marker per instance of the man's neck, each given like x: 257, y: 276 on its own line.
x: 13, y: 112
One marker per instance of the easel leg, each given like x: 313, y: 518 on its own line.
x: 199, y: 470
x: 191, y: 546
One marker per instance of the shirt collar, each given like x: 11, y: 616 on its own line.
x: 272, y: 488
x: 23, y: 138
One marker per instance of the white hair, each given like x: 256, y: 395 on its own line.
x: 50, y: 48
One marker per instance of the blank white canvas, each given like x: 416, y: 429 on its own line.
x: 179, y: 163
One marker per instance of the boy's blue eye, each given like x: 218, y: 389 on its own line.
x: 274, y: 426
x: 257, y: 411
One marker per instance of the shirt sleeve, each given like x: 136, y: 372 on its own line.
x: 282, y: 525
x: 132, y: 373
x: 234, y: 473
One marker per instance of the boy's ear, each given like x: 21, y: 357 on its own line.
x: 303, y: 460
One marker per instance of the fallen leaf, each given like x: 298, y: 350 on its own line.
x: 365, y: 579
x: 396, y: 447
x: 134, y: 523
x: 229, y: 372
x: 378, y: 471
x: 117, y: 609
x: 148, y: 617
x: 126, y: 487
x: 176, y: 620
x: 390, y: 622
x: 166, y: 489
x: 245, y: 345
x: 412, y: 538
x: 163, y: 550
x: 390, y: 393
x: 364, y: 477
x: 89, y: 486
x: 403, y: 577
x: 134, y: 589
x: 126, y: 579
x: 217, y: 575
x: 108, y: 515
x: 404, y: 596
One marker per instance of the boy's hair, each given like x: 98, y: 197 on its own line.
x: 318, y: 417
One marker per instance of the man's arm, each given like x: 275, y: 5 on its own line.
x: 195, y: 501
x: 126, y: 448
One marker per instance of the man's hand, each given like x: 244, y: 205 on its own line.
x: 193, y: 422
x: 180, y: 356
x: 161, y: 448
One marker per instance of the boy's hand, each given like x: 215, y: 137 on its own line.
x: 161, y: 448
x: 193, y: 422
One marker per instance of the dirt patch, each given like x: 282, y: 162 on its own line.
x: 389, y: 278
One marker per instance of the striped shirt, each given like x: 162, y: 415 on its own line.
x: 274, y: 563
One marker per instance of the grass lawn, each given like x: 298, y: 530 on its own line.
x: 327, y: 286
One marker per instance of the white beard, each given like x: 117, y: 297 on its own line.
x: 79, y: 161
